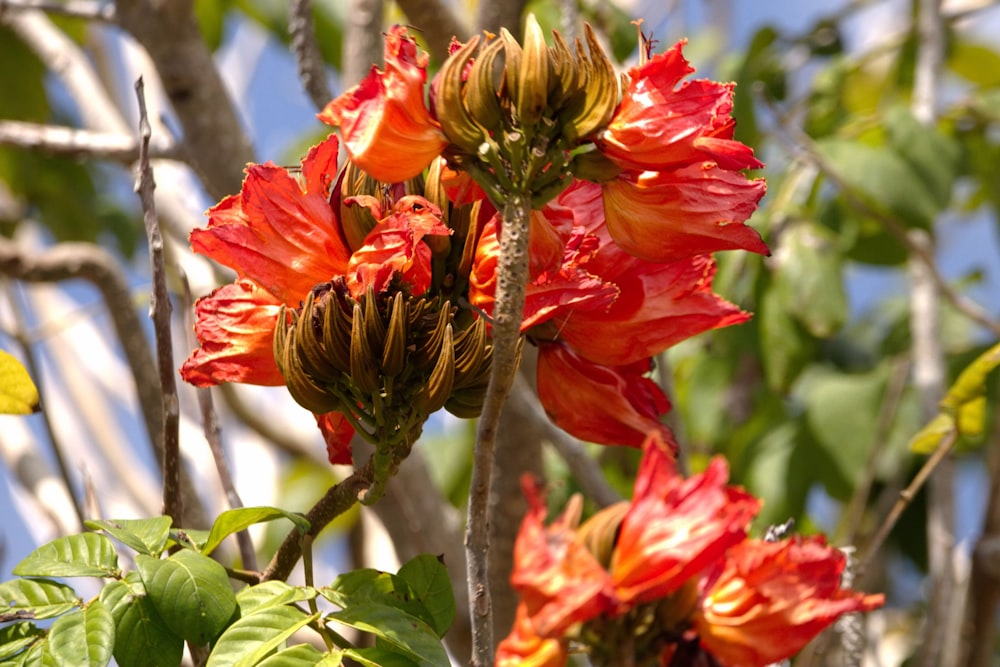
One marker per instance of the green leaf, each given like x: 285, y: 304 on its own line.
x: 191, y: 592
x: 30, y: 658
x: 22, y: 80
x: 883, y: 179
x: 777, y: 469
x: 142, y: 639
x: 935, y: 157
x: 256, y: 635
x: 300, y: 655
x: 83, y: 638
x: 84, y: 555
x: 975, y: 62
x: 368, y: 585
x: 233, y: 521
x: 927, y: 439
x: 785, y: 348
x: 189, y: 537
x: 147, y: 536
x: 405, y: 632
x: 971, y: 382
x: 43, y: 597
x: 271, y: 594
x: 379, y: 657
x: 428, y: 577
x: 17, y: 637
x: 808, y: 277
x: 211, y: 16
x: 18, y: 394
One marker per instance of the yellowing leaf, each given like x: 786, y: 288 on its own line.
x: 927, y: 439
x: 18, y: 394
x: 972, y: 417
x: 971, y: 383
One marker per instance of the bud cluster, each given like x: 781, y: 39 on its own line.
x: 387, y: 361
x: 515, y: 129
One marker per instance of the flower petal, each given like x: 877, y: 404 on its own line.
x: 662, y: 125
x: 337, y: 433
x: 676, y: 527
x: 524, y: 648
x: 275, y: 233
x: 769, y: 599
x: 666, y: 216
x: 235, y: 325
x: 559, y: 581
x: 612, y: 405
x: 658, y: 306
x: 384, y: 120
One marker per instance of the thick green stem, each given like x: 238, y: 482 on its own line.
x: 512, y: 272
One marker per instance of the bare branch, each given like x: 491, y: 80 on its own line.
x: 495, y: 15
x: 215, y: 142
x: 312, y: 71
x: 362, y: 40
x: 90, y: 10
x: 160, y: 310
x: 76, y: 143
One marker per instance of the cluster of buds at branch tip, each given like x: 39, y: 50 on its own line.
x: 385, y: 361
x: 514, y: 128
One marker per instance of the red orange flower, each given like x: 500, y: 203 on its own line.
x: 680, y: 552
x: 282, y: 238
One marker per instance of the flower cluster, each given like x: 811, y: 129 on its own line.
x: 670, y: 577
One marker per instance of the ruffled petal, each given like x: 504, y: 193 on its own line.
x: 559, y: 581
x: 384, y: 120
x: 524, y: 648
x: 662, y: 123
x: 666, y: 216
x: 612, y: 405
x: 770, y: 599
x: 676, y: 527
x: 235, y: 325
x: 658, y: 306
x: 275, y: 233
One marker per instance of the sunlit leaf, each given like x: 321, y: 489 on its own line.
x: 270, y: 594
x: 407, y: 633
x: 83, y: 638
x: 17, y: 637
x: 83, y: 555
x: 927, y: 439
x: 368, y: 585
x: 235, y: 520
x: 147, y: 536
x: 380, y: 657
x: 142, y: 639
x: 191, y: 592
x: 977, y: 63
x: 256, y: 634
x: 43, y: 597
x: 301, y: 655
x: 808, y: 276
x: 18, y: 394
x: 935, y: 157
x: 428, y: 577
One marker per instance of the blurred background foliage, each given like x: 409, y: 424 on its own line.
x: 813, y: 401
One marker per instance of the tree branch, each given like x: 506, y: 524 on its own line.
x: 71, y: 142
x: 312, y: 71
x: 90, y: 10
x: 436, y: 21
x: 362, y: 41
x: 214, y: 139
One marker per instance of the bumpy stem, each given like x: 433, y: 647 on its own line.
x: 508, y: 308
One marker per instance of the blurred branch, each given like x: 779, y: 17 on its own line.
x: 35, y: 371
x: 438, y: 23
x: 96, y: 265
x: 160, y: 310
x: 362, y: 41
x: 495, y: 15
x: 214, y: 138
x: 90, y: 10
x: 76, y: 143
x: 213, y: 436
x: 312, y: 71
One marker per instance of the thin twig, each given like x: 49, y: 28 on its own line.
x: 73, y: 142
x: 338, y: 499
x: 213, y: 436
x: 35, y: 371
x: 89, y: 10
x: 160, y: 309
x: 906, y: 496
x: 512, y: 270
x: 312, y: 72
